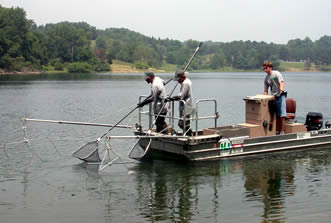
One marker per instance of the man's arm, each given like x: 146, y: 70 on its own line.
x: 281, y: 86
x: 265, y: 87
x: 281, y: 81
x: 184, y: 91
x: 145, y: 102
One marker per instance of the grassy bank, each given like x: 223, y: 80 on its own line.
x: 123, y: 67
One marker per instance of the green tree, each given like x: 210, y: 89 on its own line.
x: 101, y: 43
x: 217, y: 60
x: 16, y: 40
x: 283, y: 53
x: 323, y: 52
x: 67, y: 42
x: 146, y: 55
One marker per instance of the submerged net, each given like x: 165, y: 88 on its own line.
x: 139, y: 150
x: 88, y: 152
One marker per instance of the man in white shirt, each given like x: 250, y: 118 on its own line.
x: 158, y: 96
x: 185, y: 95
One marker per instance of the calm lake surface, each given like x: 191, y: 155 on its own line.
x: 41, y: 182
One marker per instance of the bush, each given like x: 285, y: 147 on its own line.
x: 101, y: 66
x: 325, y: 68
x: 141, y: 65
x: 79, y: 67
x: 58, y: 66
x: 47, y: 67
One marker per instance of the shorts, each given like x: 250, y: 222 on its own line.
x: 281, y: 106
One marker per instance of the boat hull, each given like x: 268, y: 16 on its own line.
x: 215, y: 147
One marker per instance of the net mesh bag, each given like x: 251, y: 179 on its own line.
x: 141, y: 147
x: 88, y: 152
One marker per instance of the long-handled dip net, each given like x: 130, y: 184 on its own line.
x: 140, y: 148
x: 89, y: 151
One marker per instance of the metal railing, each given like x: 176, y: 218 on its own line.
x: 194, y: 115
x: 215, y: 116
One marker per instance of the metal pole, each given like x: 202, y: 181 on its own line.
x: 147, y: 136
x: 76, y: 123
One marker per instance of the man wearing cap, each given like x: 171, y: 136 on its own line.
x: 158, y: 95
x: 275, y: 81
x: 185, y: 95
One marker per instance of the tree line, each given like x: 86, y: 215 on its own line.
x: 81, y: 47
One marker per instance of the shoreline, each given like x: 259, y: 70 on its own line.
x: 21, y: 73
x: 133, y: 70
x: 124, y: 67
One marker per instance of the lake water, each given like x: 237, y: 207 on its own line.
x: 41, y: 182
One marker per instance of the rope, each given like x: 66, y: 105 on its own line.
x: 11, y: 143
x: 58, y: 152
x: 27, y: 142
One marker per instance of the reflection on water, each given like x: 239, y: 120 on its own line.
x: 269, y: 185
x: 45, y: 179
x: 188, y: 192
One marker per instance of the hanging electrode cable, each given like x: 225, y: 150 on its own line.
x: 27, y: 142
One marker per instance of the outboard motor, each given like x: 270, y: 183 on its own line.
x: 314, y: 121
x: 327, y: 124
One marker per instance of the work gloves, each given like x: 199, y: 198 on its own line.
x: 149, y: 100
x: 175, y: 98
x: 144, y: 102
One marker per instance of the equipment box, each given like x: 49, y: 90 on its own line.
x: 228, y: 131
x: 295, y: 127
x: 257, y: 130
x: 258, y: 113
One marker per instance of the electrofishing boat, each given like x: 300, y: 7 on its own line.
x: 257, y: 135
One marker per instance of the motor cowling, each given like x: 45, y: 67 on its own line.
x: 314, y: 121
x: 327, y: 124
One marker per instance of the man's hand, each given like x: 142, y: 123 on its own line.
x: 144, y: 102
x: 175, y: 98
x: 167, y: 99
x: 281, y: 93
